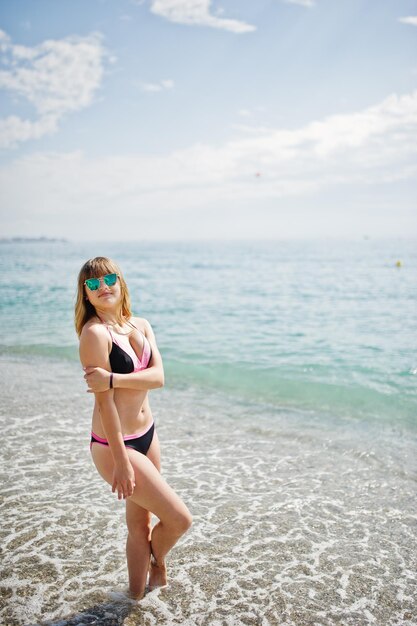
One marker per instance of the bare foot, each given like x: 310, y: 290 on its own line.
x: 135, y: 595
x: 157, y: 574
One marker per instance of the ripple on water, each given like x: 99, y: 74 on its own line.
x: 295, y: 522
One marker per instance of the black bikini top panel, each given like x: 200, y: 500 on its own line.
x: 120, y: 361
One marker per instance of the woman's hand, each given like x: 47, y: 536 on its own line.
x: 123, y: 479
x: 97, y: 379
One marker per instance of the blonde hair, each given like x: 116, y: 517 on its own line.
x: 95, y: 268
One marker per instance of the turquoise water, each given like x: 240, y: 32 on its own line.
x: 327, y: 326
x: 287, y: 425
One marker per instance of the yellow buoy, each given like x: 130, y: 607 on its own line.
x: 399, y: 264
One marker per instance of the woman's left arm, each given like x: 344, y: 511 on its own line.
x: 150, y: 378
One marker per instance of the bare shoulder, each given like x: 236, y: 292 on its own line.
x: 144, y: 326
x: 93, y: 330
x: 140, y: 322
x: 94, y: 345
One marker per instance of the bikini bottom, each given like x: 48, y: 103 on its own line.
x: 140, y: 441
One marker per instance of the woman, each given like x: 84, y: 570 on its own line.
x: 122, y: 362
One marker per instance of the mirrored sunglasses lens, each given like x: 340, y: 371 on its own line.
x: 93, y: 283
x: 110, y: 279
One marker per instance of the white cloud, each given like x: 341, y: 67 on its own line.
x: 162, y: 85
x: 374, y: 147
x: 411, y: 19
x: 14, y: 130
x: 57, y: 77
x: 302, y: 3
x: 196, y: 13
x: 251, y: 112
x: 252, y: 129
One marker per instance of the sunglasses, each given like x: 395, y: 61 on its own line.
x: 94, y: 283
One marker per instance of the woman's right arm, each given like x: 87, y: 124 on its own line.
x: 94, y: 352
x: 150, y: 378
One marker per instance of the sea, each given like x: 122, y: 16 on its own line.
x: 288, y: 425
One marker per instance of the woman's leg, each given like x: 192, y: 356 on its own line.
x: 153, y: 494
x: 138, y: 547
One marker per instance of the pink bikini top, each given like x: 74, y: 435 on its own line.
x: 123, y: 358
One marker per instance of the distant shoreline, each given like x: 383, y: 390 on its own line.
x: 32, y: 240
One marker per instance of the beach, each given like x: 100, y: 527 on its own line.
x: 288, y: 432
x: 218, y: 200
x: 293, y: 523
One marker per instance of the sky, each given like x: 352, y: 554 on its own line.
x: 200, y: 119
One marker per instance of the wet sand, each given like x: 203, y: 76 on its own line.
x: 299, y: 519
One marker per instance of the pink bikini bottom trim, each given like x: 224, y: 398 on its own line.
x: 125, y: 437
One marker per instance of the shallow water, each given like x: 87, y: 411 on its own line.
x: 299, y: 518
x: 317, y: 325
